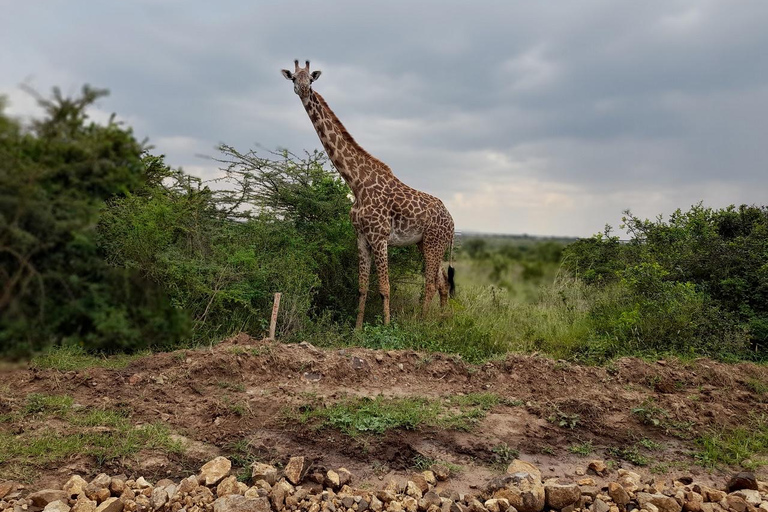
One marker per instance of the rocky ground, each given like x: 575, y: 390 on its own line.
x: 301, y: 486
x: 241, y: 399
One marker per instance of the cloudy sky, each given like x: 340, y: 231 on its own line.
x: 546, y: 117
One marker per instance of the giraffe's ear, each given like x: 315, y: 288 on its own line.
x: 287, y: 74
x: 315, y: 75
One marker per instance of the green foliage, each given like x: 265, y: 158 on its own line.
x: 356, y: 416
x: 55, y: 287
x: 696, y: 283
x: 744, y: 447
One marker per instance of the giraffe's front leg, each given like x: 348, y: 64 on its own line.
x: 364, y: 272
x: 382, y: 269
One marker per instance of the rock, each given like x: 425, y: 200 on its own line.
x: 710, y: 495
x: 521, y: 466
x: 279, y: 491
x: 110, y: 505
x: 441, y: 471
x: 102, y: 480
x: 332, y: 479
x: 345, y: 476
x: 629, y: 480
x: 599, y: 506
x: 295, y: 469
x: 75, y: 485
x: 586, y: 481
x: 96, y: 492
x: 559, y: 496
x: 43, y: 498
x: 213, y: 471
x: 412, y: 489
x: 237, y: 503
x: 83, y: 504
x: 228, y: 486
x: 524, y: 492
x: 743, y: 480
x: 496, y: 505
x: 117, y: 486
x: 750, y: 496
x: 141, y: 483
x: 57, y: 506
x: 421, y: 482
x: 266, y: 472
x: 187, y: 485
x: 692, y: 501
x: 763, y: 507
x: 735, y: 503
x: 7, y: 488
x: 410, y: 504
x: 430, y: 477
x: 662, y: 502
x: 430, y: 498
x: 159, y: 498
x: 618, y: 494
x: 598, y: 467
x: 376, y: 504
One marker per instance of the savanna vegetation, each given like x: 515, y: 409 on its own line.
x: 106, y: 248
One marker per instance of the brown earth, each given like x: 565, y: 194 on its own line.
x: 550, y: 406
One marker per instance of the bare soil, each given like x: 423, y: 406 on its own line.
x: 232, y: 400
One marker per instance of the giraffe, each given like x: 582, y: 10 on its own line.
x: 385, y: 211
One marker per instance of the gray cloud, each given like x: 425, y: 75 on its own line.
x: 546, y: 117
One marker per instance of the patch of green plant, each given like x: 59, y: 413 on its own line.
x: 744, y: 446
x: 649, y: 413
x: 564, y: 419
x: 37, y: 403
x: 503, y: 455
x: 630, y: 454
x: 757, y: 386
x: 583, y: 449
x: 73, y: 358
x: 548, y: 450
x: 46, y: 446
x: 232, y: 386
x: 356, y: 416
x: 649, y: 444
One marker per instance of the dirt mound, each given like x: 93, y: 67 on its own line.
x: 249, y: 399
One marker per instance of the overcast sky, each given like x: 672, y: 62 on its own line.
x: 545, y: 117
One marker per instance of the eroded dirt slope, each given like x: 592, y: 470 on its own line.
x: 240, y: 397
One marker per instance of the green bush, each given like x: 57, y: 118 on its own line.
x: 55, y: 287
x: 695, y: 283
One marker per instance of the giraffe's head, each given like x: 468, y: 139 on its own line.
x: 302, y: 79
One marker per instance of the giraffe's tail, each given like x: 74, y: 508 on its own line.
x: 451, y: 273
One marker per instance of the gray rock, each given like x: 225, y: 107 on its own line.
x: 663, y: 503
x: 750, y: 496
x: 266, y: 472
x: 110, y: 505
x: 742, y: 480
x: 559, y: 496
x: 599, y: 506
x: 295, y: 469
x: 43, y: 498
x: 618, y: 494
x: 237, y: 503
x: 214, y: 471
x: 57, y: 506
x: 159, y: 497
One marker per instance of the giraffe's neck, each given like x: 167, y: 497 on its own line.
x: 347, y: 156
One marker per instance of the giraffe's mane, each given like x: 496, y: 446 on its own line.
x: 345, y: 134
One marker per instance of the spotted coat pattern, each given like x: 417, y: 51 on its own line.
x: 385, y: 211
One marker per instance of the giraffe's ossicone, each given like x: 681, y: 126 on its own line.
x: 385, y: 211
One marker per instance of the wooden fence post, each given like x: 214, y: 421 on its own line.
x: 273, y: 321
